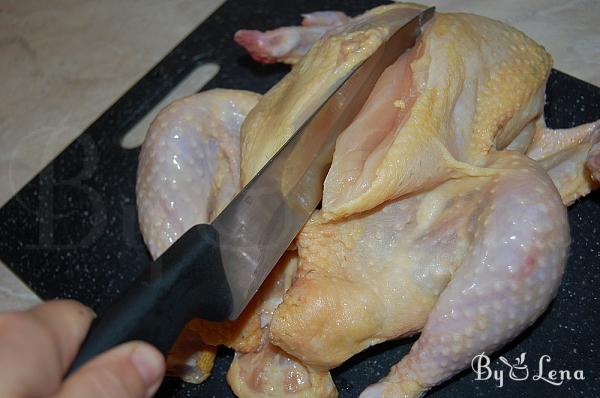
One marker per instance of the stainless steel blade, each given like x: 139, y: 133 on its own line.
x: 259, y: 224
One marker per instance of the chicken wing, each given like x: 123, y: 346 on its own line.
x: 289, y: 44
x: 570, y: 156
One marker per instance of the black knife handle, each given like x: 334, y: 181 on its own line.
x: 187, y: 281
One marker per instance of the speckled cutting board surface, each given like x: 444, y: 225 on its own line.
x: 72, y: 231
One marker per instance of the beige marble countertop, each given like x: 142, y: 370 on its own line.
x: 64, y: 62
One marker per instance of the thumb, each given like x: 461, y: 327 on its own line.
x: 131, y: 370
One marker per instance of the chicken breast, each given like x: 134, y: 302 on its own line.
x: 470, y: 85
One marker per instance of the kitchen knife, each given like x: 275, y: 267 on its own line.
x: 213, y: 270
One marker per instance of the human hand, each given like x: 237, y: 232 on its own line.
x: 37, y: 347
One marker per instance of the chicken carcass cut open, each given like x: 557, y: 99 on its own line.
x: 443, y: 211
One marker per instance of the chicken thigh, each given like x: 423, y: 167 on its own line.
x: 513, y: 269
x: 188, y: 171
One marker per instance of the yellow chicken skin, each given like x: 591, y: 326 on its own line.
x: 376, y: 276
x: 434, y: 115
x: 287, y: 105
x: 469, y: 85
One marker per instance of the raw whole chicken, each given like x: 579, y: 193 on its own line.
x: 443, y: 210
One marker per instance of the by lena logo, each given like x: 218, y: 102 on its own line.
x: 519, y: 371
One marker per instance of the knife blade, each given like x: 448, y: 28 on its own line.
x: 263, y: 219
x: 213, y: 271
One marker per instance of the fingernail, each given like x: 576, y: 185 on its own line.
x: 82, y: 309
x: 91, y: 312
x: 149, y: 363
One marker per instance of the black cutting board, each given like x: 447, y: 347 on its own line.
x: 72, y: 231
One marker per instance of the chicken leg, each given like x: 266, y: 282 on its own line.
x: 189, y: 170
x: 513, y: 270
